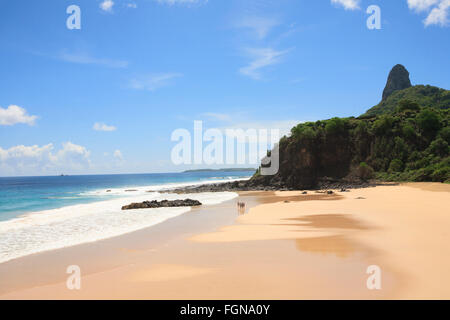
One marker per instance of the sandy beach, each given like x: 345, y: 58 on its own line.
x: 287, y: 245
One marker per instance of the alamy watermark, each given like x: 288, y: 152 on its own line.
x: 374, y: 280
x: 231, y: 146
x: 74, y: 20
x: 374, y: 20
x: 74, y: 280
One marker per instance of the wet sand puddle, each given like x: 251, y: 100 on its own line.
x: 340, y: 245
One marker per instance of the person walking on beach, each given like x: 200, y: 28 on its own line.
x: 241, y: 207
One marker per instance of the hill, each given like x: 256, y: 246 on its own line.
x: 404, y: 138
x: 424, y: 96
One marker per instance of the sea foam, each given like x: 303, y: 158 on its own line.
x: 83, y: 223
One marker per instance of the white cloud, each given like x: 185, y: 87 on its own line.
x: 437, y: 10
x: 261, y: 26
x: 36, y: 160
x: 131, y: 5
x: 72, y: 154
x: 14, y: 115
x: 262, y: 58
x: 22, y: 152
x: 100, y: 126
x: 154, y: 81
x: 439, y: 14
x: 83, y: 58
x: 107, y: 5
x: 118, y: 155
x: 347, y: 4
x: 421, y: 5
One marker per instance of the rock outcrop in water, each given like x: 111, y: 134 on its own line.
x: 163, y: 204
x: 398, y: 79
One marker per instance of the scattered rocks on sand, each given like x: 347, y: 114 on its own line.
x: 360, y: 198
x: 163, y: 204
x: 324, y: 191
x: 251, y: 186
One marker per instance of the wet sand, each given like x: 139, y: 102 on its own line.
x: 286, y: 246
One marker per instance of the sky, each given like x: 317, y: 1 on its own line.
x: 107, y: 97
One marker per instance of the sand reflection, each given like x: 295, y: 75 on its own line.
x: 333, y: 221
x: 338, y: 245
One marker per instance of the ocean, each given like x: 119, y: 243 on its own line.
x: 44, y: 213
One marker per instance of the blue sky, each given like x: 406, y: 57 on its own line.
x: 106, y: 98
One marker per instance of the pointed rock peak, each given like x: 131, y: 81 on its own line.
x: 398, y: 80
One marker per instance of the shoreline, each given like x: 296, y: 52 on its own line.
x: 95, y: 220
x: 249, y: 185
x: 106, y: 250
x: 118, y: 192
x: 288, y: 246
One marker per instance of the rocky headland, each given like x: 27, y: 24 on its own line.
x: 405, y: 137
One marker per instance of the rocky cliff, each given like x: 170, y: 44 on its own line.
x: 398, y: 79
x: 403, y: 139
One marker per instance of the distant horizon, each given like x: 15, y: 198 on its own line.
x: 120, y: 174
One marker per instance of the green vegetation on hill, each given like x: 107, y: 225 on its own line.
x: 406, y: 137
x: 410, y: 142
x: 424, y: 96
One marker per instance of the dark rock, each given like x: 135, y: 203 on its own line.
x: 108, y: 190
x: 266, y: 185
x: 398, y: 79
x: 330, y: 192
x: 330, y: 158
x: 163, y: 204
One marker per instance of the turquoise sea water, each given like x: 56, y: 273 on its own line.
x: 45, y: 213
x: 20, y: 195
